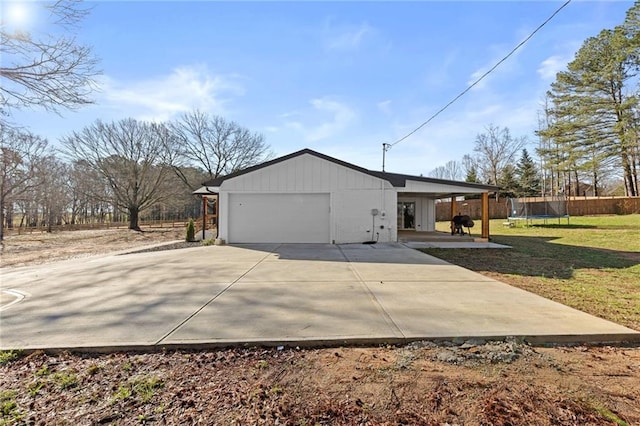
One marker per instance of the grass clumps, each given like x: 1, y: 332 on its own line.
x: 65, y: 380
x: 8, y: 356
x: 9, y: 411
x: 142, y: 388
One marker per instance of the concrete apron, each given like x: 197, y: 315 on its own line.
x: 276, y: 294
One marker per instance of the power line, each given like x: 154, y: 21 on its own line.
x: 388, y: 146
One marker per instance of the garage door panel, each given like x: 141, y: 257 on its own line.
x: 279, y: 218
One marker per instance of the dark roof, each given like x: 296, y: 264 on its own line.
x: 395, y: 179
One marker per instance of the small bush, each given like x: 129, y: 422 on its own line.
x: 191, y: 231
x: 208, y: 242
x: 8, y: 356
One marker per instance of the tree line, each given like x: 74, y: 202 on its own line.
x: 107, y: 171
x: 591, y: 118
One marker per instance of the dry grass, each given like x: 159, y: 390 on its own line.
x: 42, y: 247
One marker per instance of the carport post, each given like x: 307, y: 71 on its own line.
x: 454, y: 208
x: 204, y: 215
x: 485, y: 215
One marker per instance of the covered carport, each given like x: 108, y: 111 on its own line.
x: 424, y: 192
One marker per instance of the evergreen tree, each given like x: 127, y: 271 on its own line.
x: 472, y: 175
x: 527, y: 176
x: 591, y: 127
x: 508, y: 182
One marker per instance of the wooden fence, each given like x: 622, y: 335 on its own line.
x: 91, y: 226
x: 576, y: 206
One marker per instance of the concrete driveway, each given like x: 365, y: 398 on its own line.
x: 275, y: 294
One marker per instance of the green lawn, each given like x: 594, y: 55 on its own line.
x: 592, y: 263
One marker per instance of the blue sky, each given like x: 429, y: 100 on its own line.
x: 339, y: 77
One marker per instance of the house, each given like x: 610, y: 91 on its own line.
x: 309, y: 197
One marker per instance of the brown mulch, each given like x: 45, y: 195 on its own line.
x: 419, y: 384
x: 423, y: 383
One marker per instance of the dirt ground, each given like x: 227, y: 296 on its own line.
x: 423, y: 383
x: 42, y: 247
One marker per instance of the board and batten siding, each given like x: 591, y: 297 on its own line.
x: 352, y: 196
x: 305, y: 173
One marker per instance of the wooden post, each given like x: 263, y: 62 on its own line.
x: 454, y: 211
x: 215, y: 212
x: 204, y: 215
x: 485, y: 215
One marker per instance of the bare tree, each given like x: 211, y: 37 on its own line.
x: 83, y: 181
x: 51, y: 71
x: 495, y: 150
x: 470, y: 168
x: 452, y: 170
x: 132, y: 157
x: 217, y: 145
x: 53, y: 194
x: 20, y: 155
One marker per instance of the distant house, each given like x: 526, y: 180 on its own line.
x: 309, y: 197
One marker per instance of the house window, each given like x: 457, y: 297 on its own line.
x: 406, y: 215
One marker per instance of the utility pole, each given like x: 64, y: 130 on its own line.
x: 385, y: 147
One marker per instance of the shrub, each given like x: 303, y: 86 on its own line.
x: 7, y: 356
x: 191, y: 231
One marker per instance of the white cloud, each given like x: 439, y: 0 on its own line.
x: 348, y: 37
x: 498, y: 53
x: 475, y: 76
x: 341, y: 114
x: 486, y: 112
x: 552, y: 65
x: 334, y: 117
x: 163, y: 97
x: 384, y: 106
x: 504, y: 68
x: 439, y: 72
x: 295, y: 125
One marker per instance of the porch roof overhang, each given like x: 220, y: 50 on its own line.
x: 435, y: 188
x: 207, y: 190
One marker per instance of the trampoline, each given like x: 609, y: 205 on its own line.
x: 537, y: 208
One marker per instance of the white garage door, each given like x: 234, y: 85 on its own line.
x: 279, y: 218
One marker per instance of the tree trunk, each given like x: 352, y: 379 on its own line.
x: 629, y: 184
x: 1, y: 220
x: 9, y: 216
x: 50, y: 222
x: 133, y: 218
x: 634, y: 171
